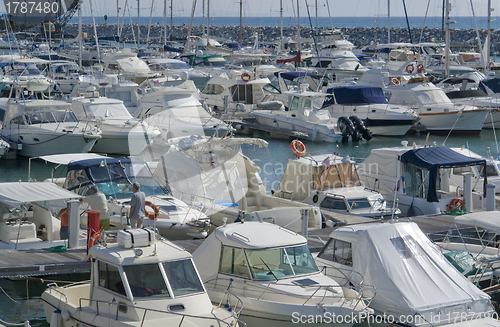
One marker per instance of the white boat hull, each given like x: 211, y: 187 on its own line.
x: 469, y: 121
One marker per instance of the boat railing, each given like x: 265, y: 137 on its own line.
x: 201, y: 203
x: 52, y: 287
x: 326, y: 292
x: 352, y: 279
x: 123, y: 307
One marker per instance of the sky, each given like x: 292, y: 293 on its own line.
x: 267, y: 8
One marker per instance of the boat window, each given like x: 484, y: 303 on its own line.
x: 432, y: 97
x: 377, y: 201
x: 280, y: 262
x: 361, y: 203
x: 233, y: 262
x: 417, y: 181
x: 406, y: 246
x: 182, y: 277
x: 306, y: 102
x: 109, y: 278
x: 461, y: 170
x: 242, y: 93
x: 330, y: 202
x: 146, y: 281
x: 271, y: 89
x: 337, y: 251
x: 213, y: 89
x: 18, y: 120
x: 295, y: 103
x: 490, y: 170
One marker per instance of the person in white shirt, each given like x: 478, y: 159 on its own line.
x: 97, y: 201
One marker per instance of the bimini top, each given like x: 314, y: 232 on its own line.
x: 405, y: 267
x: 358, y: 94
x: 489, y: 220
x: 15, y: 194
x: 248, y: 235
x: 434, y: 158
x: 492, y: 84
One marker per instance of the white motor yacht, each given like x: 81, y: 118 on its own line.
x: 416, y: 285
x: 271, y: 270
x: 332, y: 183
x: 177, y: 68
x: 114, y: 178
x: 214, y: 169
x: 120, y: 132
x: 418, y: 178
x: 305, y: 118
x: 140, y: 281
x: 369, y: 104
x: 43, y: 127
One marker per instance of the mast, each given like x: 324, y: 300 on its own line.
x: 203, y: 18
x: 316, y: 14
x: 241, y: 21
x: 190, y: 28
x: 488, y: 37
x: 298, y: 26
x: 80, y: 34
x: 281, y: 25
x: 388, y: 21
x: 164, y: 21
x: 171, y: 21
x: 447, y: 40
x: 208, y: 18
x: 138, y: 23
x: 117, y: 19
x: 442, y: 22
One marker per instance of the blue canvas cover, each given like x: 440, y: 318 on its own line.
x: 434, y: 158
x: 359, y: 94
x: 293, y: 75
x: 493, y: 84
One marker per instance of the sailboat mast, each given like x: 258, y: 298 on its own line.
x: 171, y: 16
x: 203, y: 18
x: 316, y: 3
x: 388, y: 21
x: 80, y: 34
x: 164, y: 21
x: 138, y: 23
x: 208, y: 18
x: 117, y: 19
x: 281, y: 25
x: 488, y: 37
x: 298, y: 26
x: 241, y: 21
x: 447, y: 40
x: 190, y: 28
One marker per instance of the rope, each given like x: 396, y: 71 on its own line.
x: 11, y: 324
x: 9, y: 296
x: 461, y: 112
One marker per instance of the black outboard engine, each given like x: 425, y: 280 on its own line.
x: 360, y: 127
x: 347, y: 129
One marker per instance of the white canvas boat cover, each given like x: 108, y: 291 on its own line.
x: 408, y: 271
x: 489, y: 220
x: 65, y: 159
x: 250, y: 235
x: 133, y: 65
x: 15, y: 194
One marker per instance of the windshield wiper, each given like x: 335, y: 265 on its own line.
x: 269, y: 268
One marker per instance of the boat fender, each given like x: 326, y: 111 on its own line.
x: 65, y: 315
x: 360, y: 127
x: 55, y: 319
x: 152, y: 215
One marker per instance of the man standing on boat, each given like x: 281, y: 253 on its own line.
x: 137, y: 206
x: 97, y: 201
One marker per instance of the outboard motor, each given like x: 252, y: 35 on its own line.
x: 347, y: 129
x: 360, y: 127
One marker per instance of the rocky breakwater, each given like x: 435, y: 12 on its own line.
x: 359, y: 36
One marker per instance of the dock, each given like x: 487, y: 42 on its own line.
x: 41, y: 262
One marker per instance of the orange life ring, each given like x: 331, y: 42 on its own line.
x: 245, y: 77
x: 420, y: 68
x: 155, y: 209
x: 266, y: 51
x: 492, y: 64
x: 410, y: 68
x: 455, y: 203
x: 93, y: 239
x: 295, y: 145
x: 395, y: 81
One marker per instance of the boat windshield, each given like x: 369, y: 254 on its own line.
x: 280, y: 262
x: 175, y: 65
x: 377, y: 201
x: 361, y: 203
x: 50, y: 117
x: 182, y: 277
x: 432, y: 97
x: 146, y: 281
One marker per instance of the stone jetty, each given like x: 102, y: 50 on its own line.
x: 359, y: 36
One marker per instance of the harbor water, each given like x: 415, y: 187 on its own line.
x: 21, y: 299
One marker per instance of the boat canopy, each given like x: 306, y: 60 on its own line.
x: 406, y: 268
x: 466, y: 94
x: 489, y: 220
x: 492, y: 84
x: 15, y: 194
x: 359, y: 94
x: 434, y: 158
x: 293, y: 75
